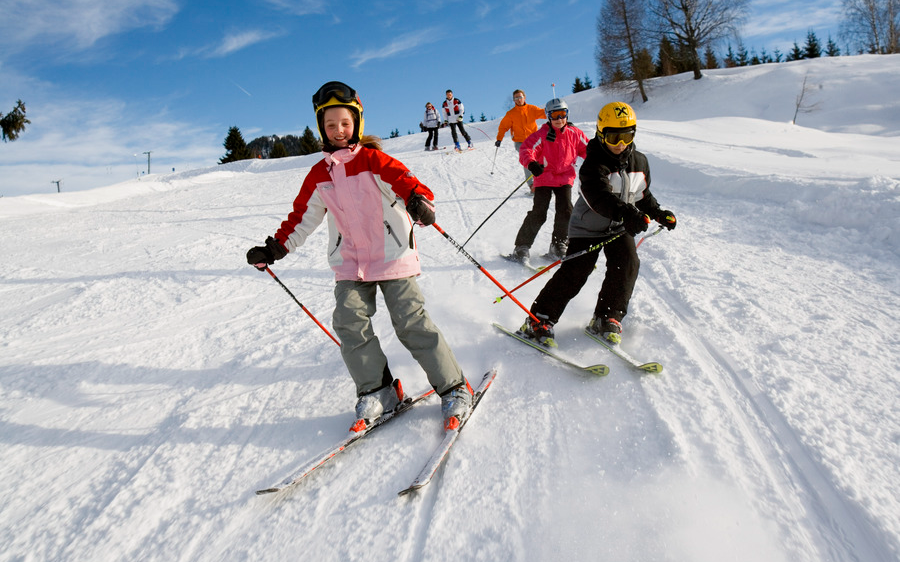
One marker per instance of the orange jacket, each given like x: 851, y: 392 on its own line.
x: 521, y: 119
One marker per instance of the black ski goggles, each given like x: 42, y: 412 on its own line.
x: 337, y: 90
x: 612, y: 137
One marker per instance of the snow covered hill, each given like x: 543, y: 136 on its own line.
x: 150, y: 380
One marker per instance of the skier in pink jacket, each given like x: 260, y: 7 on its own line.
x: 550, y: 154
x: 371, y: 201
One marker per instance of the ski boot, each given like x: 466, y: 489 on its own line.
x: 456, y: 405
x: 371, y: 406
x: 609, y: 329
x: 541, y: 332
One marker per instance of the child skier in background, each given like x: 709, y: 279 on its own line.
x: 550, y: 154
x: 371, y: 201
x: 615, y: 200
x: 431, y: 123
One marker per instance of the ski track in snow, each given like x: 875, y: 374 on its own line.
x: 150, y: 380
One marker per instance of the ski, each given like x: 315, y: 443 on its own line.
x: 330, y: 453
x: 617, y: 350
x: 526, y: 263
x: 450, y: 437
x: 600, y: 370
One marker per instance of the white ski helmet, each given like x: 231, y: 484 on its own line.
x: 554, y: 105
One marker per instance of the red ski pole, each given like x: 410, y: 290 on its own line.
x: 483, y: 270
x: 308, y: 313
x: 557, y: 262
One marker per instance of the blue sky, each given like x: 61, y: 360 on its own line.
x: 106, y: 80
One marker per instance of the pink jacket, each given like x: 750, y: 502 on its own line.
x: 557, y: 156
x: 370, y: 232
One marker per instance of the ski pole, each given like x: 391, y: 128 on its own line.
x: 308, y: 313
x: 494, y: 161
x: 559, y: 261
x: 483, y: 270
x: 494, y: 211
x: 641, y: 241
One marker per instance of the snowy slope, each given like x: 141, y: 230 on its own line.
x: 150, y: 380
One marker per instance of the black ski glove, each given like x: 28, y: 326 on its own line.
x: 634, y: 220
x: 535, y: 168
x: 420, y: 209
x: 665, y: 218
x: 261, y: 256
x: 497, y: 144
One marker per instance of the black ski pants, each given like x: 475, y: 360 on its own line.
x: 453, y: 126
x: 537, y: 216
x: 622, y: 266
x: 432, y: 134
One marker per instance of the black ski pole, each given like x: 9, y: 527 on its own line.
x: 483, y: 270
x: 494, y: 211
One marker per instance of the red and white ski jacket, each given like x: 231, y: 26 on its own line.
x: 363, y: 193
x: 558, y: 156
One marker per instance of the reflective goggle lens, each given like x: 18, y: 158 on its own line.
x: 337, y: 90
x: 559, y: 114
x: 613, y: 139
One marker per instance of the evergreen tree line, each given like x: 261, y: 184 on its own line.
x: 266, y: 147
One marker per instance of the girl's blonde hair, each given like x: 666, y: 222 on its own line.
x: 371, y: 141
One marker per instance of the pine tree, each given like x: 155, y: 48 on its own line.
x: 587, y: 82
x: 743, y: 58
x: 709, y: 57
x: 795, y: 54
x: 309, y: 143
x: 278, y: 150
x: 812, y: 49
x: 235, y: 147
x: 730, y: 61
x: 831, y: 48
x: 578, y: 86
x: 13, y: 123
x: 483, y: 118
x: 665, y: 60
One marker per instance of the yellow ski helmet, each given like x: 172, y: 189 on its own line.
x: 338, y: 94
x: 617, y: 118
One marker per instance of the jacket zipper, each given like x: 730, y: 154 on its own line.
x: 393, y: 235
x: 337, y: 245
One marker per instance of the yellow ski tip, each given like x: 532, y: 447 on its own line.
x: 651, y: 367
x: 600, y: 370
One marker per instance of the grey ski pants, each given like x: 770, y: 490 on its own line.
x: 360, y: 348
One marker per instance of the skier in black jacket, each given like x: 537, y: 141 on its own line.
x: 614, y: 199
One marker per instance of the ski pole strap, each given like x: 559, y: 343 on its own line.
x: 308, y: 313
x: 593, y: 248
x: 483, y: 270
x: 492, y: 213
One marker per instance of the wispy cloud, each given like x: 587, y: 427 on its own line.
x: 397, y: 46
x: 237, y: 41
x: 231, y: 43
x: 76, y: 24
x: 299, y: 8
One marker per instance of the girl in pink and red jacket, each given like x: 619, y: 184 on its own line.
x: 550, y: 154
x: 371, y: 202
